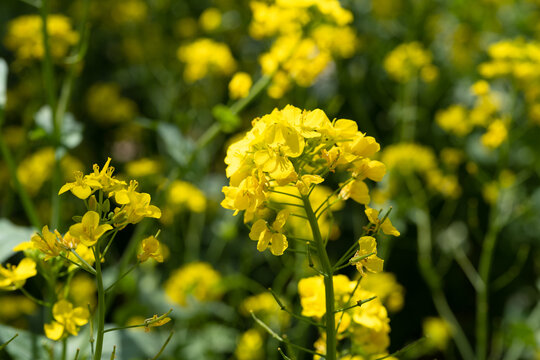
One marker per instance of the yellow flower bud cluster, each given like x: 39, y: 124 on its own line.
x: 24, y: 37
x: 406, y: 158
x: 409, y: 61
x: 367, y: 327
x: 297, y: 150
x: 485, y: 114
x: 205, y: 56
x: 305, y: 33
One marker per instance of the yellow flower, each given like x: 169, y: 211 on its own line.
x: 250, y: 346
x: 137, y: 209
x: 88, y: 231
x: 48, y: 242
x: 356, y: 190
x: 105, y: 103
x: 408, y: 61
x: 155, y: 321
x: 210, y: 19
x: 81, y: 187
x: 25, y: 37
x: 104, y: 177
x: 437, y: 331
x: 183, y: 194
x: 197, y: 279
x: 305, y: 182
x: 362, y: 258
x: 386, y: 226
x: 240, y: 85
x: 385, y: 286
x: 66, y: 320
x: 271, y: 235
x: 205, y: 56
x: 495, y: 135
x: 151, y: 248
x: 454, y: 120
x: 14, y: 277
x: 143, y: 167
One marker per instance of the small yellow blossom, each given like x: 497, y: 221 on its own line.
x: 386, y: 226
x: 371, y: 263
x: 13, y: 277
x: 271, y: 235
x: 197, y: 279
x: 495, y: 135
x: 437, y: 331
x: 210, y: 19
x: 88, y: 231
x: 250, y: 346
x: 81, y: 187
x: 240, y: 85
x: 143, y: 167
x: 408, y: 61
x: 48, y: 242
x: 67, y: 320
x: 205, y: 56
x: 183, y: 194
x: 151, y: 248
x: 155, y: 321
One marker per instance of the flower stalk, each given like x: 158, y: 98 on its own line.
x: 331, y: 342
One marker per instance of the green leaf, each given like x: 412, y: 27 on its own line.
x: 177, y: 146
x: 12, y: 235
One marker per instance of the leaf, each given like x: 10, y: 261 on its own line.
x: 27, y: 346
x: 3, y: 82
x: 179, y: 147
x: 12, y: 235
x: 71, y: 129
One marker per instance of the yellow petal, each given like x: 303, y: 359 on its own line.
x: 82, y: 192
x: 368, y: 245
x: 388, y: 228
x: 54, y: 330
x: 279, y: 244
x: 281, y: 219
x: 66, y: 187
x: 374, y: 264
x: 91, y: 219
x: 264, y: 240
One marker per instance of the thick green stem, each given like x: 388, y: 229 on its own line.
x: 482, y: 304
x: 331, y: 343
x: 101, y: 306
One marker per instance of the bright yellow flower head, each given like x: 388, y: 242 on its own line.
x: 88, y: 231
x: 437, y: 331
x: 371, y: 263
x: 386, y: 226
x: 48, y: 242
x: 240, y: 85
x: 151, y: 248
x: 25, y: 37
x: 271, y: 235
x: 67, y: 320
x: 205, y: 56
x: 198, y: 280
x: 250, y: 346
x: 14, y: 277
x: 184, y: 195
x: 408, y: 61
x: 81, y: 187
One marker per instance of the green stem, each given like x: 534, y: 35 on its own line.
x: 331, y: 342
x: 101, y: 306
x: 482, y: 301
x: 27, y: 204
x: 429, y: 273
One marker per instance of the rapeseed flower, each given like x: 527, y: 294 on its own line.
x: 205, y: 56
x: 67, y: 320
x: 240, y: 85
x: 88, y: 231
x: 13, y: 277
x: 198, y: 280
x: 151, y: 248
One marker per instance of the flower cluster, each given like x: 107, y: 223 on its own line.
x: 25, y: 37
x: 486, y: 114
x: 289, y: 152
x: 366, y: 326
x: 205, y: 56
x: 407, y: 158
x: 409, y: 61
x: 305, y: 33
